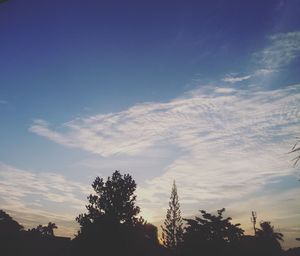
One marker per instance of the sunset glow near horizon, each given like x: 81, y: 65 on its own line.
x: 206, y: 93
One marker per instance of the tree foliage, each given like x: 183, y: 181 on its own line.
x: 213, y: 227
x: 267, y: 231
x: 8, y: 225
x: 45, y: 231
x: 114, y: 199
x: 211, y: 234
x: 172, y: 230
x: 111, y: 226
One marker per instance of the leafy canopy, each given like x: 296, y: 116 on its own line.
x: 45, y: 231
x: 211, y: 227
x: 267, y: 231
x: 113, y: 199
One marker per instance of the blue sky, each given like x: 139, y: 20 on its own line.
x: 205, y: 93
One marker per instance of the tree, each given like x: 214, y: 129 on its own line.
x: 8, y: 225
x: 114, y: 199
x: 45, y: 231
x: 267, y: 231
x: 10, y: 235
x: 211, y: 234
x: 50, y: 229
x: 111, y: 225
x: 172, y: 230
x: 214, y: 227
x: 269, y: 239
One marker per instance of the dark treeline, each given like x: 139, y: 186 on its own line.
x: 111, y: 227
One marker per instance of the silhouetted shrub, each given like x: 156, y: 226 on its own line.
x: 211, y: 235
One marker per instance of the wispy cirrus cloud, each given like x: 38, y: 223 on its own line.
x: 232, y: 141
x: 29, y: 194
x: 259, y: 73
x: 41, y: 127
x: 208, y: 114
x: 235, y: 79
x: 283, y: 49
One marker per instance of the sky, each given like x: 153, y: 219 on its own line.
x: 206, y: 93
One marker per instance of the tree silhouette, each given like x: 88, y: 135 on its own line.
x: 50, y: 229
x: 211, y: 234
x: 214, y: 227
x: 172, y: 230
x: 8, y: 225
x: 114, y: 199
x: 267, y: 231
x: 45, y: 231
x: 111, y: 221
x: 10, y: 235
x: 268, y: 240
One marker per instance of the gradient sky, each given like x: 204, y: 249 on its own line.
x: 203, y: 92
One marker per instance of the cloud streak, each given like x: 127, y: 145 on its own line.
x: 235, y: 79
x: 35, y: 195
x: 232, y: 141
x: 259, y: 73
x: 283, y: 49
x: 221, y: 115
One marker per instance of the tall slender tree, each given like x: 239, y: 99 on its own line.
x: 172, y: 229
